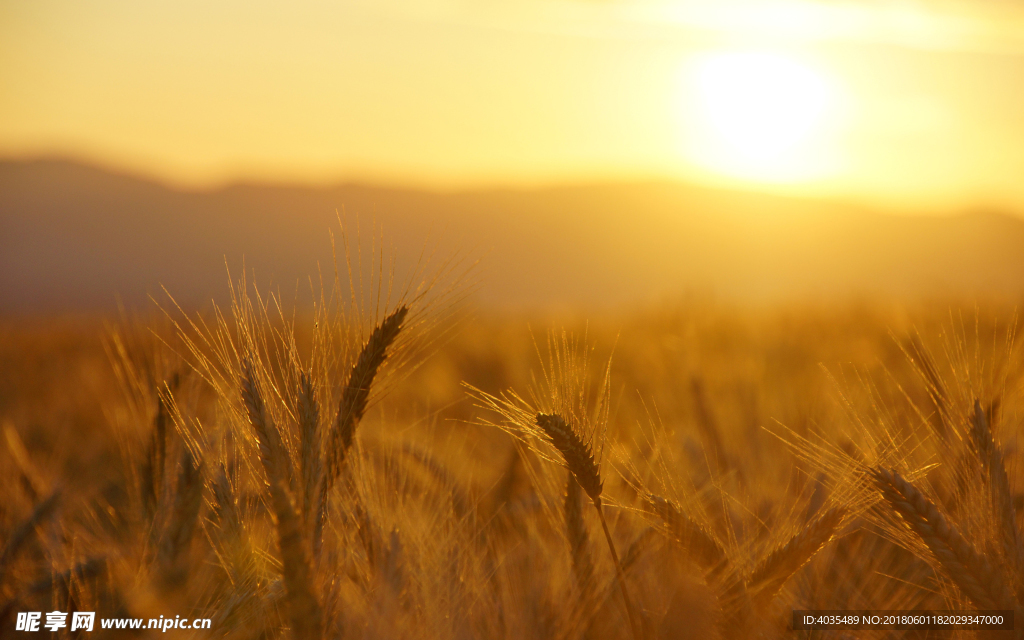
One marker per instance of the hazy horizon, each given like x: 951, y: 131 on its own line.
x: 342, y: 179
x: 76, y: 237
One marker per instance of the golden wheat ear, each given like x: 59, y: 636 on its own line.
x: 783, y: 562
x: 701, y: 544
x: 152, y: 472
x: 356, y: 394
x: 184, y: 516
x: 354, y: 400
x: 937, y: 393
x: 993, y: 466
x: 580, y: 460
x: 968, y: 569
x: 268, y: 438
x: 28, y: 475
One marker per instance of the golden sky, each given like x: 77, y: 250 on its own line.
x: 915, y: 103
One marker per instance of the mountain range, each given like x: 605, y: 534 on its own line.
x: 76, y: 237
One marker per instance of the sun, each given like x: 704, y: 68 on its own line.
x: 758, y: 115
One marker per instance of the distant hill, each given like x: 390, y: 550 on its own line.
x: 76, y: 237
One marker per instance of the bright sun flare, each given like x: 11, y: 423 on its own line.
x: 758, y: 115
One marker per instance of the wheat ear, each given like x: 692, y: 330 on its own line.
x: 701, y: 544
x: 936, y: 390
x: 225, y: 505
x: 708, y: 554
x: 357, y: 390
x: 310, y: 460
x: 576, y: 530
x: 156, y: 453
x: 960, y: 561
x: 267, y: 436
x: 578, y: 456
x: 784, y: 561
x: 991, y: 459
x: 579, y: 459
x: 181, y: 526
x: 352, y: 406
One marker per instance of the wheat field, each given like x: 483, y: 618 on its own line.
x: 391, y: 463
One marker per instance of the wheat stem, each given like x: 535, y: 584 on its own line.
x: 634, y: 623
x: 580, y: 460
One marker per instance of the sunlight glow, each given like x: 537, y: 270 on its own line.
x: 758, y: 115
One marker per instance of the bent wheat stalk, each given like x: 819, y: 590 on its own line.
x: 580, y: 461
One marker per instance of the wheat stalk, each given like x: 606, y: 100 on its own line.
x: 580, y: 461
x: 296, y: 568
x: 582, y: 567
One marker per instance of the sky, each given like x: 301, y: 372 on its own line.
x: 913, y: 104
